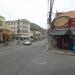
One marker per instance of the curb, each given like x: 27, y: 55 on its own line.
x: 61, y: 53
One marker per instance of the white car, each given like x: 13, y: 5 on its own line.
x: 27, y: 42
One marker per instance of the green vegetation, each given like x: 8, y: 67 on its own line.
x: 35, y: 27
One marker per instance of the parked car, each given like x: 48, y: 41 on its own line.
x: 27, y: 42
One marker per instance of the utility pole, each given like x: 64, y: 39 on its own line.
x: 50, y: 2
x: 18, y: 32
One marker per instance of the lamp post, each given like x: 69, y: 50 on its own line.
x: 50, y: 2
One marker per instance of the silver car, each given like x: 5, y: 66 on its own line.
x: 27, y: 42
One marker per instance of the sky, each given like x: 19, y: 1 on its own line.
x: 64, y: 5
x: 33, y: 10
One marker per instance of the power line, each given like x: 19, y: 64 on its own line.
x: 51, y: 2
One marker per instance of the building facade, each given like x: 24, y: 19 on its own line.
x: 5, y: 32
x: 21, y: 28
x: 2, y: 22
x: 70, y: 14
x: 63, y: 33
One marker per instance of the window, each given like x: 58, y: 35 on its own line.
x: 23, y: 22
x: 14, y: 31
x: 25, y: 27
x: 14, y: 23
x: 11, y: 27
x: 25, y: 31
x: 26, y: 23
x: 14, y: 27
x: 11, y: 23
x: 8, y: 23
x: 1, y: 23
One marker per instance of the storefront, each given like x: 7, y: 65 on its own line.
x: 6, y: 37
x: 1, y: 36
x: 64, y: 39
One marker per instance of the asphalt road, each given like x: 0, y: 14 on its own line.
x: 34, y: 60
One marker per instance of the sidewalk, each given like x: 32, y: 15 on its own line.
x: 62, y: 52
x: 9, y: 45
x: 1, y: 45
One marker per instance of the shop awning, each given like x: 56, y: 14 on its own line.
x: 58, y: 32
x: 63, y: 32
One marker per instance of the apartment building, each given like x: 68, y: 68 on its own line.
x: 2, y: 21
x: 21, y: 26
x: 5, y: 32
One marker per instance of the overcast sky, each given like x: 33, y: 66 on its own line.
x: 33, y: 10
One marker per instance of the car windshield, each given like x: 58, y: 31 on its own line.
x: 26, y: 40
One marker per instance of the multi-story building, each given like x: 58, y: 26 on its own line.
x: 21, y: 28
x: 5, y: 32
x: 2, y: 21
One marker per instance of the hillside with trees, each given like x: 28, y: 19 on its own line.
x: 35, y: 27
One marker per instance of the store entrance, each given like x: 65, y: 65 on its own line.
x: 64, y: 42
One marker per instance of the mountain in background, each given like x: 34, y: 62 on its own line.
x: 35, y: 27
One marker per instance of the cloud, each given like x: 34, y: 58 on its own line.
x: 64, y: 5
x: 33, y: 10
